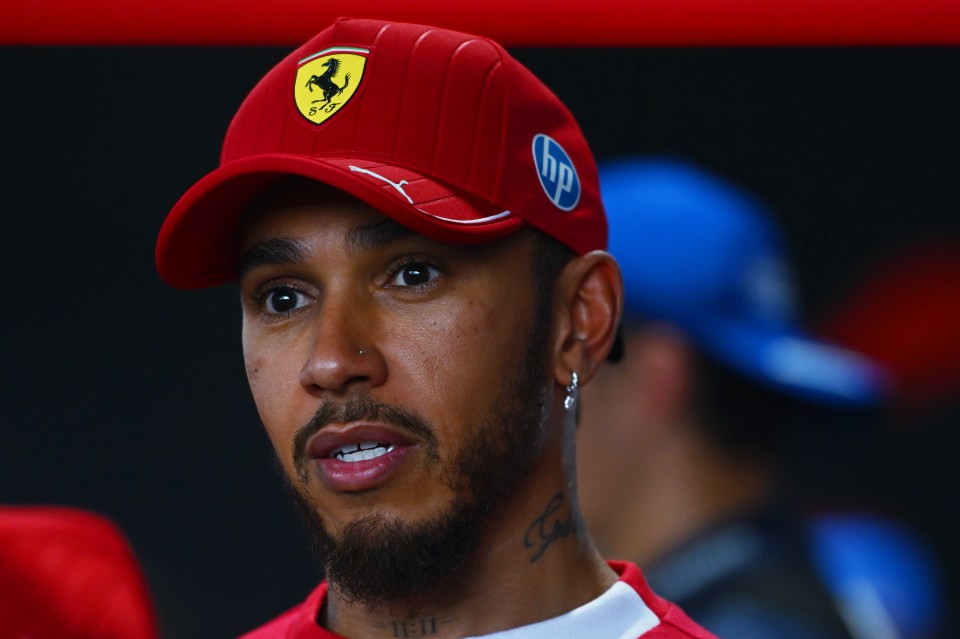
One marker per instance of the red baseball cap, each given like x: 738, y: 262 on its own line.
x: 69, y: 574
x: 442, y: 131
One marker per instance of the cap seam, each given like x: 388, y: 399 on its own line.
x: 504, y: 128
x: 443, y: 100
x: 476, y: 148
x: 403, y: 95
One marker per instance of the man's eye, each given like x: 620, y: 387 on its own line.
x: 284, y: 299
x: 414, y: 274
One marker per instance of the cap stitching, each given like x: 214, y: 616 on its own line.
x: 476, y: 133
x: 504, y: 126
x: 403, y: 95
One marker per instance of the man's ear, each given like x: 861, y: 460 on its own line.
x: 590, y: 292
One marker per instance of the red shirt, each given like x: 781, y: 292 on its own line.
x: 300, y: 622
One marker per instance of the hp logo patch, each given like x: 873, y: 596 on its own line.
x: 557, y: 176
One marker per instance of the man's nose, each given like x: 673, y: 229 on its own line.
x: 345, y: 351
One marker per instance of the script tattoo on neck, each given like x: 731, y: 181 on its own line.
x: 549, y: 527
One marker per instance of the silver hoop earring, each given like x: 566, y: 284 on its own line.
x: 571, y: 397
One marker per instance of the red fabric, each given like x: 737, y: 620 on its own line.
x: 298, y: 622
x: 69, y: 574
x: 528, y: 23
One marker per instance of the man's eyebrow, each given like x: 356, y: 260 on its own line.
x: 376, y: 234
x: 276, y: 250
x: 283, y: 250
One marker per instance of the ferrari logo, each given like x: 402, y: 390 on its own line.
x: 327, y: 80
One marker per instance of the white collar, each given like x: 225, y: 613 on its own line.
x: 619, y: 613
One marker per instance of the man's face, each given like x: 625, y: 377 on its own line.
x: 398, y: 378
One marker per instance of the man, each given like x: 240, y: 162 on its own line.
x: 713, y: 367
x: 415, y: 226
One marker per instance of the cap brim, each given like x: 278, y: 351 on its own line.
x: 197, y: 244
x: 795, y: 363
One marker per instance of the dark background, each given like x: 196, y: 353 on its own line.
x: 129, y: 398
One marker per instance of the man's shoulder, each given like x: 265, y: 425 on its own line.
x: 673, y: 623
x: 278, y: 628
x: 297, y: 623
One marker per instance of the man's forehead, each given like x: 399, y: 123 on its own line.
x: 285, y: 224
x: 304, y: 204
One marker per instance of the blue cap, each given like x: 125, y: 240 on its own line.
x: 704, y: 256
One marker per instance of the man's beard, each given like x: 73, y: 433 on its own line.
x: 376, y: 559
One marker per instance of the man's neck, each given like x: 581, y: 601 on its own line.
x: 535, y: 562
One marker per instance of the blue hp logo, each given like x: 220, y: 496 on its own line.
x: 555, y: 170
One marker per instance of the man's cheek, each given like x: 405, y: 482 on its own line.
x: 257, y: 378
x: 271, y: 404
x: 253, y: 366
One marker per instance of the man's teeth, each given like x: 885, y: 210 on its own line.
x: 361, y: 452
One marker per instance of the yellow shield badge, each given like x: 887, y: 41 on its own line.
x: 327, y: 80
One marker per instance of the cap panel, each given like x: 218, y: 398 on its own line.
x: 421, y: 101
x: 378, y: 117
x: 582, y: 227
x: 474, y: 94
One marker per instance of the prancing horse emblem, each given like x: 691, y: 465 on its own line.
x: 325, y: 82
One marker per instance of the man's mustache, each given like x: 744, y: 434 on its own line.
x: 359, y: 407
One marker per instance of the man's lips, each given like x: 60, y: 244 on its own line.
x: 331, y: 438
x: 358, y: 456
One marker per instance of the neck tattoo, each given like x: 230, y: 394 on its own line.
x: 424, y: 627
x: 549, y: 527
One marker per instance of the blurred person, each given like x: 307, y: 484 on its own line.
x: 904, y: 312
x: 678, y: 441
x: 414, y: 223
x: 67, y: 573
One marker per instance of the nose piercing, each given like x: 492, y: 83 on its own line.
x: 362, y: 352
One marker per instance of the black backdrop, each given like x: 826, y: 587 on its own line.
x: 129, y: 398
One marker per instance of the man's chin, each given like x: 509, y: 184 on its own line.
x: 379, y: 560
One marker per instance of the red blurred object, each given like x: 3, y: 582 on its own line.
x: 69, y: 574
x: 529, y: 23
x: 906, y: 315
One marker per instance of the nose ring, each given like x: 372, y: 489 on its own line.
x: 362, y: 352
